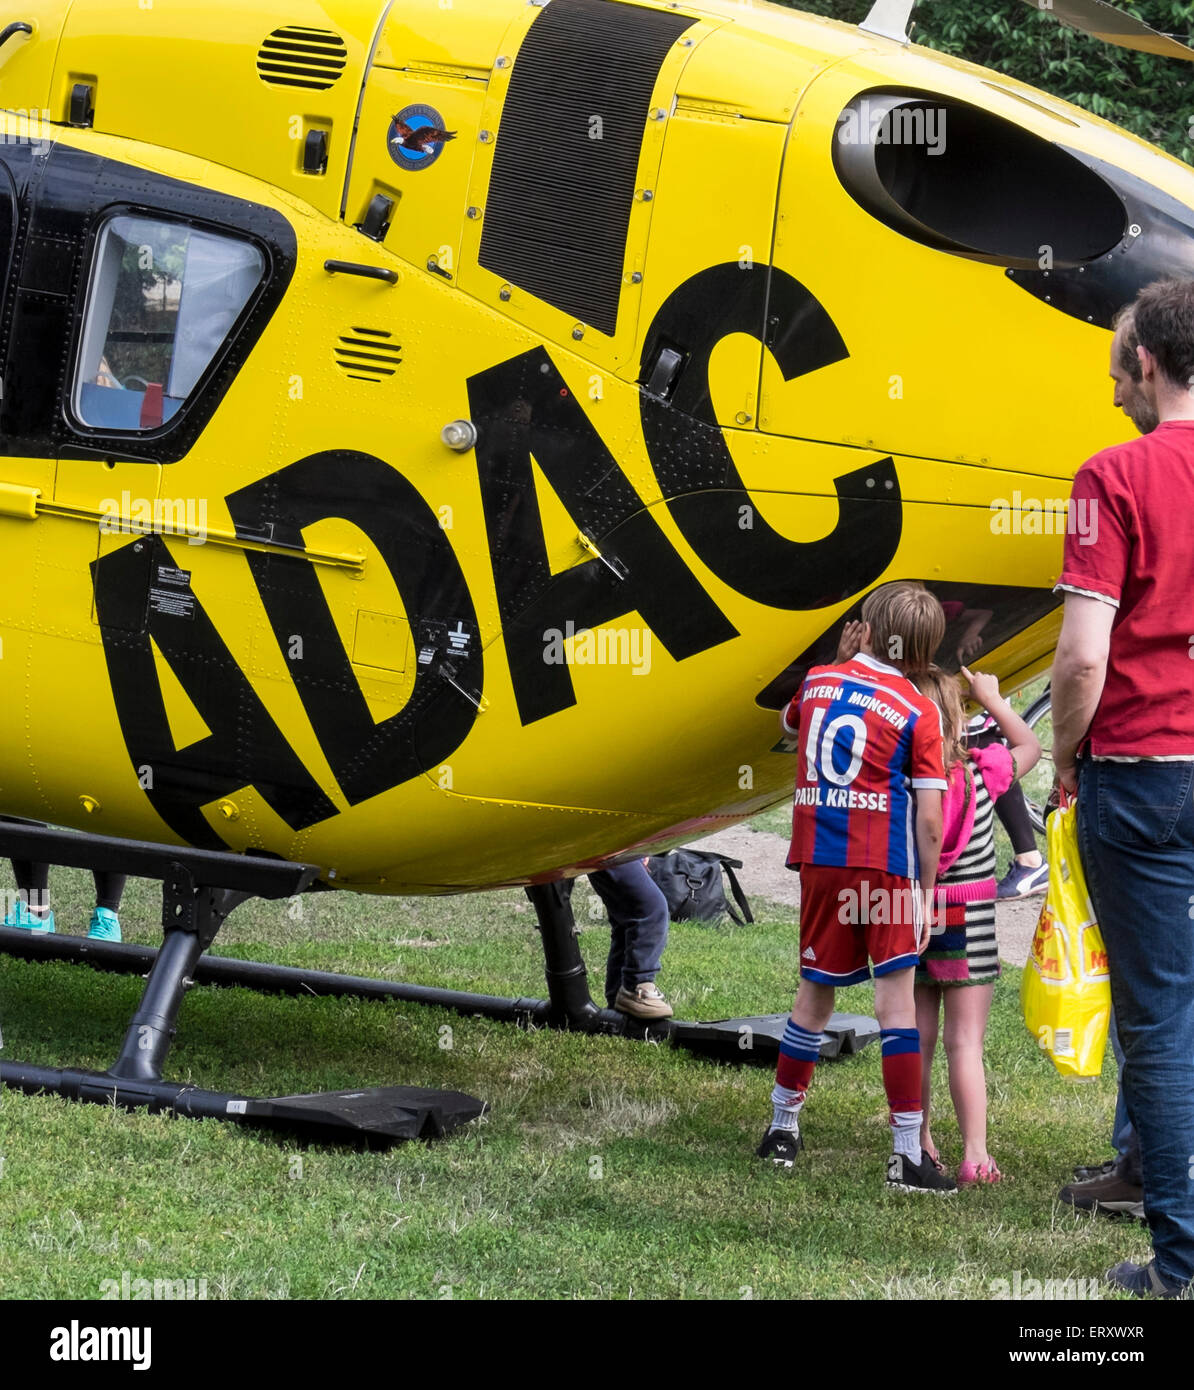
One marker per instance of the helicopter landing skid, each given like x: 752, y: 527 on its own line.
x: 192, y: 913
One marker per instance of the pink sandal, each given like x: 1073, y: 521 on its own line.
x: 970, y: 1173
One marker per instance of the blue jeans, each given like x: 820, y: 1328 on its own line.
x: 1136, y: 833
x: 1123, y: 1134
x: 638, y: 921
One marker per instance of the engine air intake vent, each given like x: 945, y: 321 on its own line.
x: 965, y: 180
x: 367, y: 354
x: 300, y: 57
x: 558, y: 209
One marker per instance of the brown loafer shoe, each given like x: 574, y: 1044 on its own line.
x: 646, y: 1001
x: 1108, y: 1195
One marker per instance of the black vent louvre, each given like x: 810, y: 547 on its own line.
x: 301, y: 57
x: 367, y: 354
x: 559, y: 200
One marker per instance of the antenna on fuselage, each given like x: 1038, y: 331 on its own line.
x: 891, y: 19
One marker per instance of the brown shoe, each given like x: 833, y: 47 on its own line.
x: 1095, y: 1170
x: 645, y: 1001
x: 1108, y: 1195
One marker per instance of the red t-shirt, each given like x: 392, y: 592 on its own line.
x: 1130, y: 542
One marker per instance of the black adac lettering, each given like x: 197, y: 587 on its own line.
x: 695, y: 468
x: 522, y: 409
x: 367, y: 757
x: 244, y: 746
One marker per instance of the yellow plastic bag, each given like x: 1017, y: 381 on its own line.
x: 1066, y: 989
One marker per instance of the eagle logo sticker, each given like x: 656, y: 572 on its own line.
x: 416, y: 137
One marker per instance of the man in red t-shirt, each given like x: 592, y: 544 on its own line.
x: 1123, y: 739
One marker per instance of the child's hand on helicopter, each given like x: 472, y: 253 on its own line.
x: 851, y: 641
x: 984, y: 687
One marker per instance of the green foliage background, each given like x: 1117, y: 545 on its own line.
x: 1151, y: 97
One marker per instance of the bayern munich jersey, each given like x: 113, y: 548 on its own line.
x: 866, y: 739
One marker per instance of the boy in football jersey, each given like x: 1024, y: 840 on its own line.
x: 866, y: 835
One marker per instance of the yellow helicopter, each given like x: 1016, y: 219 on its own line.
x: 436, y: 436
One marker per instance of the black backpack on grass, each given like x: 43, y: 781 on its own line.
x: 691, y: 881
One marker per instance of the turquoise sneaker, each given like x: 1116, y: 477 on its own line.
x: 104, y: 925
x: 22, y: 917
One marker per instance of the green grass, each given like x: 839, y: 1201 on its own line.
x: 604, y: 1169
x: 778, y: 820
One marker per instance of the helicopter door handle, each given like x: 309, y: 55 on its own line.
x: 19, y: 27
x: 472, y: 696
x: 366, y: 272
x: 611, y: 562
x: 19, y: 501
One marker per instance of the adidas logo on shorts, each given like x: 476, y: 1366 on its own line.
x: 808, y: 954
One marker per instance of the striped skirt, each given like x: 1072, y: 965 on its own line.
x: 966, y: 951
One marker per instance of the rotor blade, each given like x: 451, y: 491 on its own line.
x: 1113, y: 26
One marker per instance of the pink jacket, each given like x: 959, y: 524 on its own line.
x: 994, y: 764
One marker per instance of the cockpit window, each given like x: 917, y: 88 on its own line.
x: 164, y: 298
x: 978, y: 619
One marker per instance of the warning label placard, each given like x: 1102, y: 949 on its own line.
x: 171, y: 595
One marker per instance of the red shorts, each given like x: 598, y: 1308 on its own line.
x: 849, y: 915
